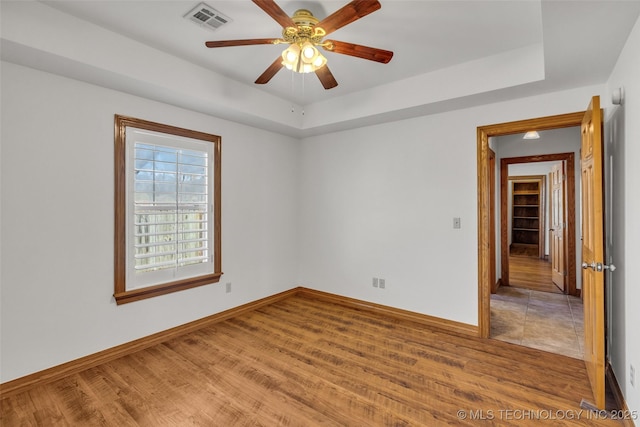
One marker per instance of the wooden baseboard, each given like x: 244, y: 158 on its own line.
x: 621, y: 404
x: 497, y: 285
x: 431, y: 321
x: 57, y: 372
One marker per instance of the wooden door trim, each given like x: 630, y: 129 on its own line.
x: 484, y: 249
x: 492, y: 222
x: 570, y: 208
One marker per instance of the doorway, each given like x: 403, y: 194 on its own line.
x: 529, y: 309
x: 527, y: 217
x: 569, y: 243
x: 486, y: 241
x: 592, y: 247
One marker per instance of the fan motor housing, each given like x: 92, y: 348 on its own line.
x: 304, y: 18
x: 305, y: 30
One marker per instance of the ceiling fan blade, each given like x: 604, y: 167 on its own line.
x: 359, y: 51
x: 274, y: 11
x: 348, y: 14
x: 246, y: 42
x: 326, y: 77
x: 271, y: 71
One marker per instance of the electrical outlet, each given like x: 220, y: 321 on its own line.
x: 375, y: 282
x: 456, y: 222
x: 382, y: 283
x: 632, y: 375
x: 228, y: 287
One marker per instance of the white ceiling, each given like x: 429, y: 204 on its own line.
x: 447, y: 54
x: 424, y: 36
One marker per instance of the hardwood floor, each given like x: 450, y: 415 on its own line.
x: 304, y: 361
x: 531, y: 273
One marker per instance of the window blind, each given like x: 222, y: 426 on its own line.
x: 170, y: 209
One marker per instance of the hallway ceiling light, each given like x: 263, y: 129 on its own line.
x: 532, y: 134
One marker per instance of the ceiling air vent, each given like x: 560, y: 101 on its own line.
x: 207, y: 17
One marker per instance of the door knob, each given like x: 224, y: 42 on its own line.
x: 598, y: 266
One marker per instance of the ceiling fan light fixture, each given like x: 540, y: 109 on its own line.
x: 320, y: 61
x: 302, y: 59
x: 303, y: 32
x: 290, y: 56
x: 309, y: 53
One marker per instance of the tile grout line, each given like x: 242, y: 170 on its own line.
x: 526, y: 313
x: 575, y: 330
x: 574, y: 350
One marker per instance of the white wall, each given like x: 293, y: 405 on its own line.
x: 622, y: 134
x: 57, y: 221
x: 380, y: 201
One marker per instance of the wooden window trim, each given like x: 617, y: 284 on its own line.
x: 121, y: 294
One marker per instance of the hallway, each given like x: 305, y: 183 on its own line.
x: 547, y: 321
x: 534, y: 312
x: 531, y: 272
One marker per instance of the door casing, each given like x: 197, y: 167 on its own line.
x: 484, y: 199
x: 492, y: 223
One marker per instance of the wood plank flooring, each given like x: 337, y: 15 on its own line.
x: 306, y: 362
x: 531, y: 273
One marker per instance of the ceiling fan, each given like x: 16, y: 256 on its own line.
x: 303, y: 32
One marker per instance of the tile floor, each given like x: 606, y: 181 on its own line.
x: 542, y: 320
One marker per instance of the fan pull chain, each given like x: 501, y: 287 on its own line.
x: 303, y: 80
x: 293, y: 91
x: 293, y: 86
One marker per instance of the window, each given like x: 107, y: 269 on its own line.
x: 167, y: 209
